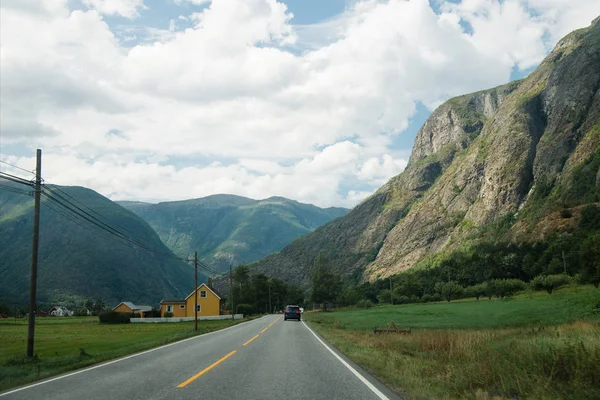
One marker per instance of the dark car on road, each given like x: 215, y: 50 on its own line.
x: 292, y: 312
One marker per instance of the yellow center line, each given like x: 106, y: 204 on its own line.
x: 263, y: 331
x: 250, y: 340
x: 205, y: 370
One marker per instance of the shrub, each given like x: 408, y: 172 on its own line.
x: 168, y: 314
x: 502, y: 288
x: 566, y: 213
x: 155, y: 313
x: 414, y: 299
x: 426, y: 298
x: 364, y: 304
x: 384, y: 297
x: 550, y: 282
x: 403, y: 300
x: 246, y: 309
x: 113, y: 317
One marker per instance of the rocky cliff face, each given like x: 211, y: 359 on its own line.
x: 515, y: 150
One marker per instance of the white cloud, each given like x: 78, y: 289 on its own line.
x: 235, y: 88
x: 124, y: 8
x: 194, y: 2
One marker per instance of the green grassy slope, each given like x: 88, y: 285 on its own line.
x: 226, y: 227
x: 78, y: 261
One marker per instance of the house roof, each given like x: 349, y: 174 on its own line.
x: 134, y: 307
x: 172, y: 302
x: 206, y: 286
x: 127, y: 304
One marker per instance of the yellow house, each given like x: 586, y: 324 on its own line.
x: 128, y: 307
x: 209, y: 304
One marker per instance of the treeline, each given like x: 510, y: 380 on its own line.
x: 487, y: 269
x: 254, y: 294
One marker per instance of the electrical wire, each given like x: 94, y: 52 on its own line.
x: 77, y: 222
x: 14, y: 166
x: 62, y: 194
x: 16, y: 179
x: 69, y: 206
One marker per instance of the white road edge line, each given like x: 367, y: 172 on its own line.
x: 121, y: 359
x: 355, y: 372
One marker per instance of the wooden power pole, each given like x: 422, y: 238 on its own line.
x: 231, y: 292
x: 196, y: 291
x: 34, y: 254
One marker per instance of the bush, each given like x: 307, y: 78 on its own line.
x: 426, y: 298
x: 385, y: 297
x: 402, y: 300
x: 550, y: 282
x: 113, y: 317
x: 246, y: 309
x: 502, y: 288
x: 566, y: 213
x: 364, y: 304
x: 168, y: 314
x: 155, y: 313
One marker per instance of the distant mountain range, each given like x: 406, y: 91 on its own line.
x: 228, y: 229
x: 78, y: 260
x: 511, y: 164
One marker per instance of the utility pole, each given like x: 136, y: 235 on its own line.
x: 196, y: 290
x: 391, y: 291
x: 270, y: 308
x: 231, y: 291
x: 34, y: 254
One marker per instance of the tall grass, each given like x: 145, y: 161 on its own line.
x: 557, y: 360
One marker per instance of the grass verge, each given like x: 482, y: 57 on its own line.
x: 479, y: 355
x: 65, y: 344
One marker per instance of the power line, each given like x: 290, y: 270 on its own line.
x: 69, y: 206
x: 54, y: 188
x: 77, y: 222
x: 14, y: 166
x: 16, y: 179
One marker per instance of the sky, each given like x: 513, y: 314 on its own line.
x: 314, y: 100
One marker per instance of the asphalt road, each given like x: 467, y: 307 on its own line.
x: 266, y: 358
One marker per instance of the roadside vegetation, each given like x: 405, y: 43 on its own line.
x: 532, y: 345
x: 64, y: 344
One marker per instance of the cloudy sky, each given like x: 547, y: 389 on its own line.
x: 315, y: 100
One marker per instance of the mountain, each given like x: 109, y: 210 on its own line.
x: 498, y: 165
x: 228, y: 229
x: 78, y: 260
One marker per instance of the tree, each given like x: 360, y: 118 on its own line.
x: 506, y: 287
x: 349, y: 297
x: 550, y: 282
x: 384, y: 296
x: 98, y: 308
x: 449, y: 290
x: 590, y: 260
x: 325, y: 284
x: 477, y: 290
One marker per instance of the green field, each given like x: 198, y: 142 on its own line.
x: 534, y: 345
x: 63, y: 344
